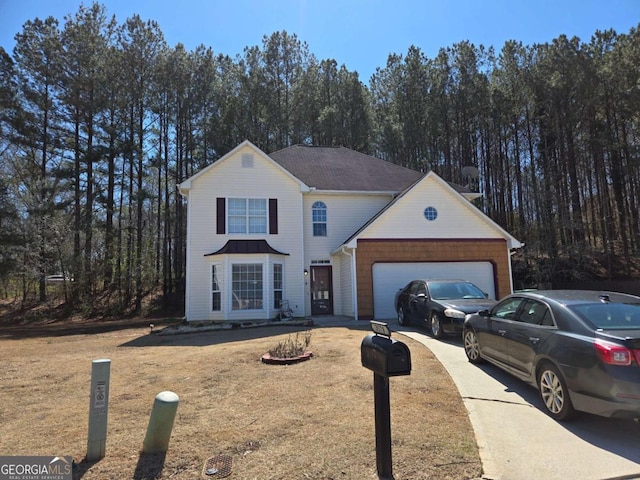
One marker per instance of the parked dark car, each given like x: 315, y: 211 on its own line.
x: 440, y: 305
x: 580, y: 348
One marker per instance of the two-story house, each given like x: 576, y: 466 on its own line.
x: 330, y: 230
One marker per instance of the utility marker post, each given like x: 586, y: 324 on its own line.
x: 98, y: 409
x: 161, y: 421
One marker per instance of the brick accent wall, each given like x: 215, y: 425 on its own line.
x: 372, y: 251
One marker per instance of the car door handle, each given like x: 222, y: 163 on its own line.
x: 534, y: 340
x: 502, y: 332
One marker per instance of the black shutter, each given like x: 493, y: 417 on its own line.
x: 273, y: 216
x: 220, y: 216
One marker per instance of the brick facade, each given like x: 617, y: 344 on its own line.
x: 372, y: 251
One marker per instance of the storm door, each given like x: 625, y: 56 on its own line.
x: 321, y: 291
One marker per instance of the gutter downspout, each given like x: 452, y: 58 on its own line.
x: 354, y: 282
x: 187, y: 282
x: 511, y: 254
x: 306, y: 296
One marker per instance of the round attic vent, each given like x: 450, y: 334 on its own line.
x: 430, y: 213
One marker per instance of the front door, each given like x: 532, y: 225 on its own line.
x: 321, y: 291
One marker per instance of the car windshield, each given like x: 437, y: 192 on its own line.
x: 454, y: 290
x: 609, y: 316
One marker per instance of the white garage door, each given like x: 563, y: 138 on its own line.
x: 388, y: 278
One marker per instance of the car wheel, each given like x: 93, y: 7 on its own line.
x: 471, y: 346
x: 436, y: 325
x: 402, y: 319
x: 554, y: 393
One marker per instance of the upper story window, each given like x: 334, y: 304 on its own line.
x: 247, y: 215
x: 319, y: 219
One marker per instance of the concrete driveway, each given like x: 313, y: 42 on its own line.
x: 517, y: 440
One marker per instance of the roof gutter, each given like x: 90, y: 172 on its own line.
x: 353, y: 192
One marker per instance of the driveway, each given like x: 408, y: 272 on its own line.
x: 517, y: 440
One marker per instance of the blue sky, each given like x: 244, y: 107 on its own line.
x: 357, y: 33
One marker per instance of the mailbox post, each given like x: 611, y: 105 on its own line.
x: 386, y: 357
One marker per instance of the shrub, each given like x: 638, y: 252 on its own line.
x: 292, y: 347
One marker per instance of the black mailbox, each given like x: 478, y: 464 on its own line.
x: 385, y: 356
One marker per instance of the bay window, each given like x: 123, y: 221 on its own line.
x: 246, y: 286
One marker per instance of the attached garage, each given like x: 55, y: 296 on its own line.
x: 389, y: 277
x: 428, y: 231
x: 383, y: 266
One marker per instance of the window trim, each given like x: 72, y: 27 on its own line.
x: 319, y: 208
x: 216, y: 282
x: 248, y: 215
x: 234, y: 294
x: 222, y: 216
x: 277, y: 287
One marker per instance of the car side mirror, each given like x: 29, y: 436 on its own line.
x: 421, y: 295
x: 484, y: 313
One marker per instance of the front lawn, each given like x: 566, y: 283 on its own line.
x: 312, y: 420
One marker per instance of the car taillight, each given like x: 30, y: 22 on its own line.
x: 613, y: 354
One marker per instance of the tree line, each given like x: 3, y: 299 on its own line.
x: 100, y: 120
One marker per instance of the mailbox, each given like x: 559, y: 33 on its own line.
x: 385, y: 356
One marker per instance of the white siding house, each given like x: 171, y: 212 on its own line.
x: 294, y: 225
x: 216, y: 215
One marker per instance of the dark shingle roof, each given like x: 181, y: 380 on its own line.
x: 338, y: 168
x: 246, y: 246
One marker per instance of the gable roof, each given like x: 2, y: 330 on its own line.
x: 185, y: 186
x: 333, y: 169
x: 512, y: 242
x: 339, y: 168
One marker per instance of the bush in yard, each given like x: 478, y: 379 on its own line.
x: 292, y: 347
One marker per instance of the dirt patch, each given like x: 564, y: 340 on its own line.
x: 312, y: 420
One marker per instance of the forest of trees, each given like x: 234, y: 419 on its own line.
x: 100, y: 120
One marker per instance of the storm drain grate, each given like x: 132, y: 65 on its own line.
x: 217, y: 467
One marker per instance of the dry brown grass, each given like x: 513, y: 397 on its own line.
x: 312, y: 420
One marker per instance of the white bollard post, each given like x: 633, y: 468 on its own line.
x: 98, y: 409
x: 161, y: 423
